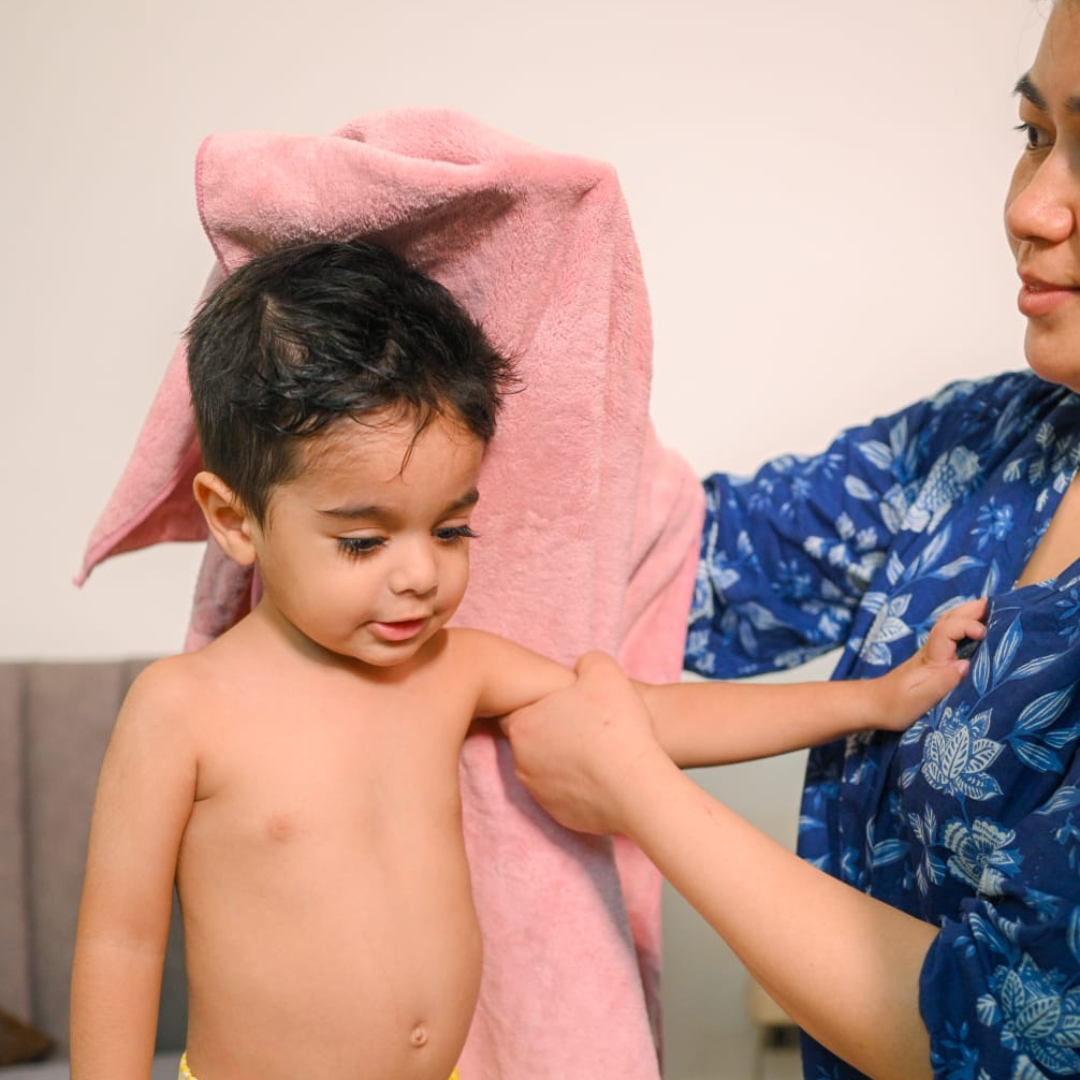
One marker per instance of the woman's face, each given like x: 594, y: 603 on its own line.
x: 1044, y: 201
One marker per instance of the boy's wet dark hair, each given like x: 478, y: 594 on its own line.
x: 306, y: 336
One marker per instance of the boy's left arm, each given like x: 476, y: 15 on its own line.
x: 716, y: 723
x: 510, y: 676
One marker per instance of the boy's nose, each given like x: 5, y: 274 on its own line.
x: 415, y: 570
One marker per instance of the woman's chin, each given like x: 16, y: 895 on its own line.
x: 1054, y: 355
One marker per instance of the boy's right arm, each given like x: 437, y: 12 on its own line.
x: 716, y: 723
x: 145, y: 794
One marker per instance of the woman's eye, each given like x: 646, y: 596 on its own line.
x: 359, y: 545
x: 454, y: 532
x: 1035, y: 137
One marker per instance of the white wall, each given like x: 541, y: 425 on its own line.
x: 816, y: 189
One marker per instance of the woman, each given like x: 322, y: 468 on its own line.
x: 943, y: 937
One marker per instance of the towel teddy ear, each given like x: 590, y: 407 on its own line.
x: 231, y: 525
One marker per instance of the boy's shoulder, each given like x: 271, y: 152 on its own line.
x: 177, y: 672
x: 176, y: 687
x: 467, y: 637
x: 167, y: 685
x: 155, y: 717
x: 467, y: 644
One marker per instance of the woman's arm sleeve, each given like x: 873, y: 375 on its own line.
x: 787, y: 553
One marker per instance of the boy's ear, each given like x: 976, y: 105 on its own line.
x: 229, y: 522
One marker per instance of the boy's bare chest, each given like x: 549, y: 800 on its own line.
x: 298, y: 769
x: 327, y: 844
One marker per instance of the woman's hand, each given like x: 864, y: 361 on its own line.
x: 581, y: 751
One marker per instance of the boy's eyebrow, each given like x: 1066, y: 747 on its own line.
x: 1026, y: 88
x: 375, y: 512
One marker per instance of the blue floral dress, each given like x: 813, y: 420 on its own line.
x: 971, y: 819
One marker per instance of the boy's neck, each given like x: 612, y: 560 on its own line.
x: 266, y: 629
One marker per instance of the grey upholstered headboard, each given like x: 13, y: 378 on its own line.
x: 55, y: 720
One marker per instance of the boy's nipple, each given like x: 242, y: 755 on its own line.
x: 281, y: 827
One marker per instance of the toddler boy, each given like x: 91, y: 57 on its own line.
x: 298, y: 777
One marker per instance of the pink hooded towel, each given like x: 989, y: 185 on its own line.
x: 589, y: 527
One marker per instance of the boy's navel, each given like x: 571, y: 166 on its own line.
x: 419, y: 1036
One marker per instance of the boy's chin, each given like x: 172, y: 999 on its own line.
x: 384, y: 654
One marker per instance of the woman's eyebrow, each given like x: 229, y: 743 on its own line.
x: 1026, y: 88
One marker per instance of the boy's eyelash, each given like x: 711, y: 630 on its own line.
x: 357, y: 546
x: 455, y: 532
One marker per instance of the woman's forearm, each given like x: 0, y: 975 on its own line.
x: 844, y: 966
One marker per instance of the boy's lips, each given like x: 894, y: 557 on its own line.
x: 400, y: 629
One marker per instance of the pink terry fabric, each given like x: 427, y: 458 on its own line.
x: 589, y: 528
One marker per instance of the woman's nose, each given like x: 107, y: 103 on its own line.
x: 1042, y: 204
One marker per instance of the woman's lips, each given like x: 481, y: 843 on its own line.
x: 1039, y: 298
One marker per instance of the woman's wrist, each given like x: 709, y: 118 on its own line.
x: 640, y: 787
